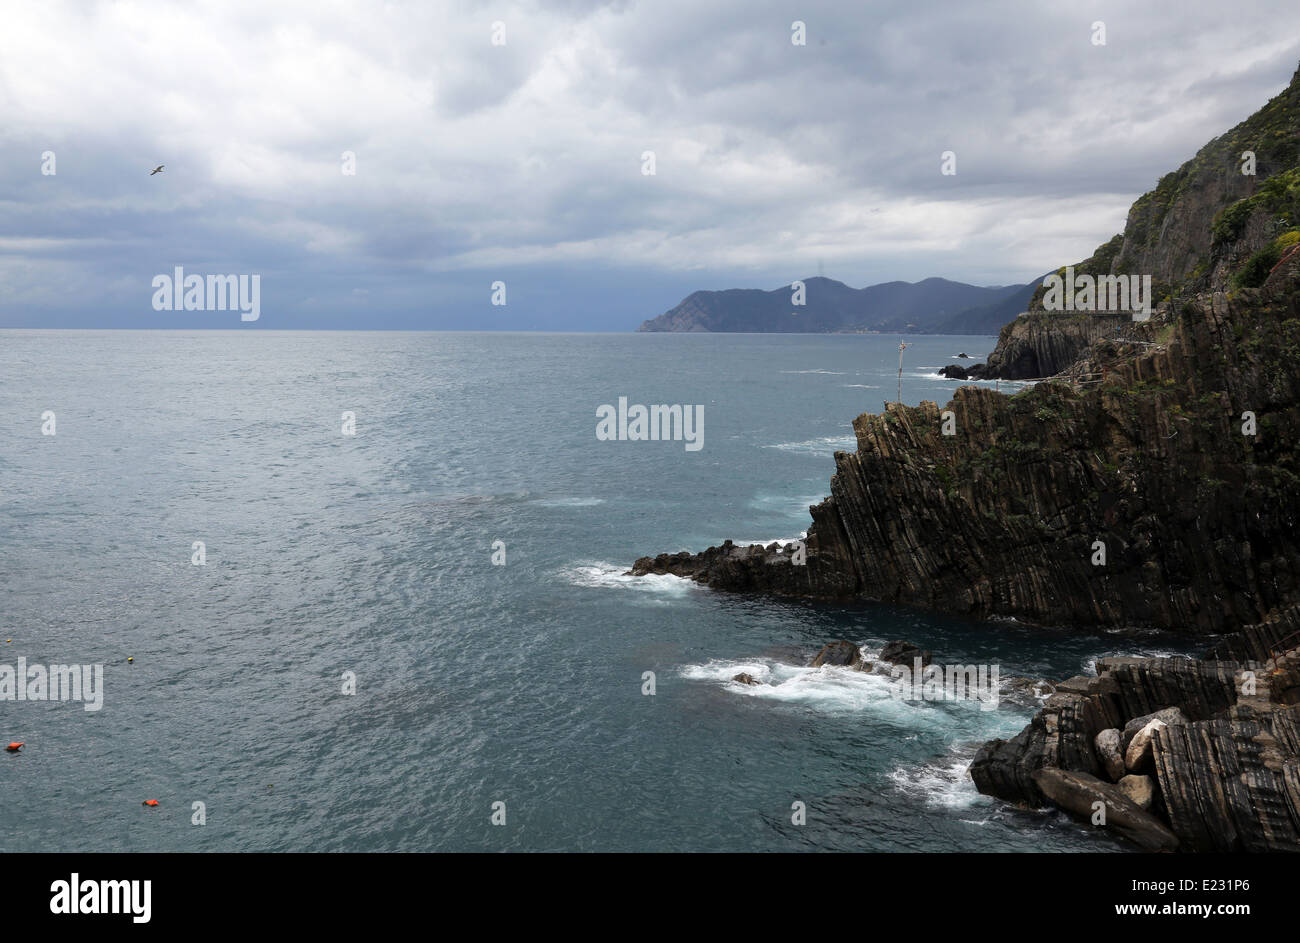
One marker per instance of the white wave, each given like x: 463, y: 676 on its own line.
x: 1090, y: 664
x: 606, y: 575
x: 795, y: 505
x: 826, y: 445
x: 829, y: 689
x: 859, y: 386
x: 944, y: 783
x: 832, y: 373
x: 782, y: 541
x: 569, y: 502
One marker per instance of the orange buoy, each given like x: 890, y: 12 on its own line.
x: 149, y: 802
x: 15, y: 746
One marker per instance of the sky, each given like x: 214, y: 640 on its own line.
x: 506, y: 143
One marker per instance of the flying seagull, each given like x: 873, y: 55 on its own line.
x: 157, y: 170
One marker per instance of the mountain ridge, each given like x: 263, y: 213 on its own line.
x: 831, y: 306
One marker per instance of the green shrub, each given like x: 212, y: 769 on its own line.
x: 1229, y: 223
x: 1255, y: 271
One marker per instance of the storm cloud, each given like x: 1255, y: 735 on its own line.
x: 522, y: 162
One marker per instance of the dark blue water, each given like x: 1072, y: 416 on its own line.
x: 475, y: 683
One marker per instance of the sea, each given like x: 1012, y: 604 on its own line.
x: 368, y: 592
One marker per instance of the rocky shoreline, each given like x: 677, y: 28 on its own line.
x: 1156, y: 484
x: 1194, y: 502
x: 1197, y: 755
x: 1170, y: 754
x: 1153, y: 482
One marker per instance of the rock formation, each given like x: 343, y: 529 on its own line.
x: 1158, y: 485
x: 841, y: 654
x: 1155, y: 483
x: 1212, y: 759
x: 904, y: 653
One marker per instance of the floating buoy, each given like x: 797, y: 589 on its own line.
x: 15, y: 746
x: 150, y: 802
x: 130, y: 658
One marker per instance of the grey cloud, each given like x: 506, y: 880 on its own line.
x: 523, y: 161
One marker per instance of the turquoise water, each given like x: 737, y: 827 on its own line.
x: 474, y: 683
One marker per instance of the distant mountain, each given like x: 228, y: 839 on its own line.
x: 988, y: 319
x: 934, y: 305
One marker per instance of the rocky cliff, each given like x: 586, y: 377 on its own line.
x: 1143, y: 500
x: 1205, y: 227
x: 1041, y: 344
x: 1163, y: 492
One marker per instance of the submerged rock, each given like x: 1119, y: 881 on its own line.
x: 1026, y: 692
x: 745, y: 678
x: 904, y: 653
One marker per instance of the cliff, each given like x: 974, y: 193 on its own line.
x: 1197, y: 519
x: 1205, y: 227
x: 1159, y: 489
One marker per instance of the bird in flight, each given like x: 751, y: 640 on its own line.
x: 157, y: 170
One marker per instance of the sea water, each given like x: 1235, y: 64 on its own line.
x: 419, y: 635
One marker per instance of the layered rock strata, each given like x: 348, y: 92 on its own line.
x: 1210, y: 747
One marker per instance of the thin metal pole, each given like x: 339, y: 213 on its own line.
x: 901, y: 347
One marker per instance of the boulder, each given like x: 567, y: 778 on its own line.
x: 1078, y: 793
x: 903, y: 653
x: 1005, y: 768
x: 1170, y: 715
x: 841, y: 653
x: 1107, y: 744
x: 1139, y: 755
x: 954, y: 372
x: 1141, y: 789
x: 1079, y: 684
x: 1225, y: 766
